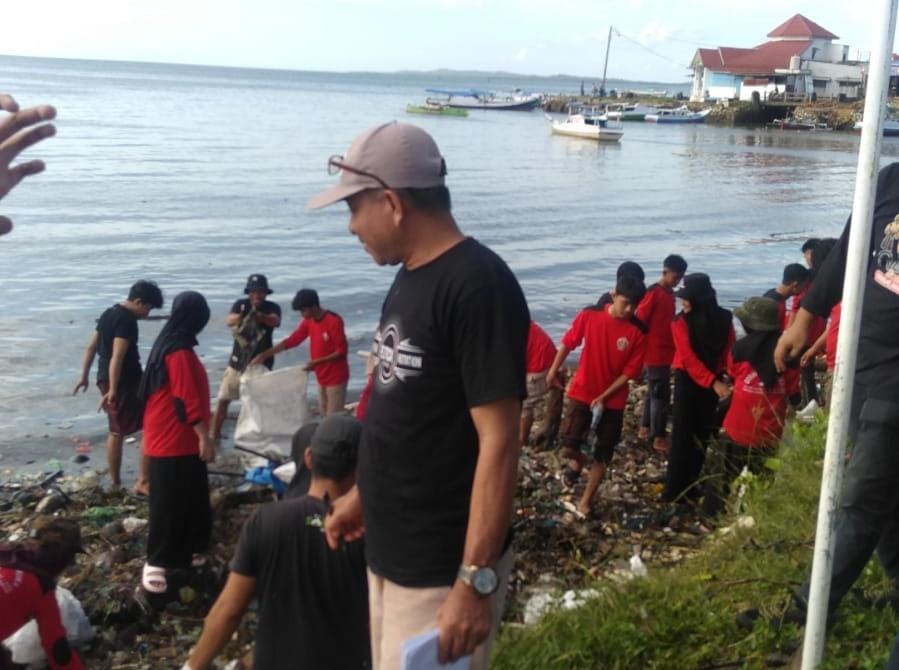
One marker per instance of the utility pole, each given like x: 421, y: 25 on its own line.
x: 605, y: 66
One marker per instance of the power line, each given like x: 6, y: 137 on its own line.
x: 646, y: 48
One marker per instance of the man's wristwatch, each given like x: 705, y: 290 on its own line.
x: 483, y: 580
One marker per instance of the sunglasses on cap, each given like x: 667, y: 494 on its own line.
x: 336, y: 164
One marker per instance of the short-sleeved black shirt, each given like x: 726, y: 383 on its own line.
x: 452, y: 336
x: 251, y: 337
x: 313, y: 602
x: 118, y: 321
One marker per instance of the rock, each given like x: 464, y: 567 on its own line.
x: 132, y: 524
x: 51, y: 502
x: 80, y: 458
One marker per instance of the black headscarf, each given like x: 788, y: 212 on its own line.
x: 709, y: 327
x: 757, y: 349
x: 189, y: 316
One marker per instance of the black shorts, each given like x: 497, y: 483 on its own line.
x: 127, y: 415
x: 576, y: 428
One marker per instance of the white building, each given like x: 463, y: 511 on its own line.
x: 799, y: 58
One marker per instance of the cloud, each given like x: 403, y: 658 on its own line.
x: 655, y: 32
x: 416, y: 4
x: 521, y: 55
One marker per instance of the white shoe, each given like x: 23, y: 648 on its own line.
x: 807, y: 413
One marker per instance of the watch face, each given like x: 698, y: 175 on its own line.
x: 484, y: 581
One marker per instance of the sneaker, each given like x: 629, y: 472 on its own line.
x: 807, y: 413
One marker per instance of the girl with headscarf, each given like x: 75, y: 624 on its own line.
x: 175, y: 391
x: 703, y: 336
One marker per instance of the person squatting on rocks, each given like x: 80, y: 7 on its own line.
x: 656, y: 311
x: 251, y: 320
x: 703, y: 336
x: 313, y: 602
x: 614, y: 346
x: 327, y: 350
x: 755, y: 418
x: 28, y: 574
x: 175, y: 391
x: 439, y: 455
x: 114, y: 344
x: 868, y: 518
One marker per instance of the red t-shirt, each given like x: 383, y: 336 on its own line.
x: 24, y: 597
x: 833, y: 329
x: 686, y: 359
x: 756, y: 415
x: 657, y: 310
x: 326, y: 336
x: 612, y: 347
x: 818, y: 326
x: 541, y: 350
x: 174, y: 408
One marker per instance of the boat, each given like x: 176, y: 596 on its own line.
x: 890, y: 127
x: 588, y: 124
x: 632, y: 111
x: 436, y: 107
x: 678, y: 115
x: 471, y: 98
x: 791, y: 123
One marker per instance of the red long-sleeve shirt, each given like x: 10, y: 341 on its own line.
x: 541, y: 351
x: 686, y: 359
x: 612, y: 347
x: 656, y: 311
x: 174, y: 408
x: 326, y: 336
x: 756, y: 414
x: 23, y: 597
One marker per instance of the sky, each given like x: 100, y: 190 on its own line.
x: 654, y: 40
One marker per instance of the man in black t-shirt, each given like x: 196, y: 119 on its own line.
x: 251, y: 320
x: 439, y: 454
x: 114, y: 342
x: 313, y: 602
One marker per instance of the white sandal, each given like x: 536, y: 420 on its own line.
x: 153, y: 579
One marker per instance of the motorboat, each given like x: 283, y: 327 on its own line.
x: 678, y: 115
x: 791, y: 123
x: 435, y: 107
x: 584, y: 123
x: 633, y: 111
x: 471, y: 98
x: 890, y: 127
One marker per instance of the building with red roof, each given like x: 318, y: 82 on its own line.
x: 800, y: 59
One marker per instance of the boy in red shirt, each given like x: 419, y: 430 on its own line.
x: 614, y: 346
x: 28, y: 573
x: 754, y: 422
x: 656, y: 311
x: 327, y: 350
x: 540, y: 356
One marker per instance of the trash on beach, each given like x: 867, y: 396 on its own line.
x: 25, y: 644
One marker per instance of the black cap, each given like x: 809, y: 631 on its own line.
x: 336, y: 435
x: 697, y: 288
x: 257, y: 283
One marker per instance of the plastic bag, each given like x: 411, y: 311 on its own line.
x: 25, y: 643
x: 273, y: 406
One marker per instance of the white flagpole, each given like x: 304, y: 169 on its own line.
x: 847, y: 347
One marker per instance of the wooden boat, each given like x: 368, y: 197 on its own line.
x: 435, y: 107
x: 517, y: 101
x: 629, y: 112
x: 890, y: 127
x: 587, y: 125
x: 790, y: 123
x: 678, y: 115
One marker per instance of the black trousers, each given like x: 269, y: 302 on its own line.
x: 726, y: 460
x: 693, y: 420
x: 180, y: 516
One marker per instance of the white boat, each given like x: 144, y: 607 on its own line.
x: 587, y: 125
x: 678, y: 115
x: 632, y: 111
x: 474, y: 99
x: 890, y: 127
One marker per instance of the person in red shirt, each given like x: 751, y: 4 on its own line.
x: 177, y: 442
x: 327, y: 350
x: 657, y: 311
x: 758, y: 407
x: 540, y: 355
x: 703, y: 336
x: 28, y: 574
x: 614, y: 346
x: 827, y: 344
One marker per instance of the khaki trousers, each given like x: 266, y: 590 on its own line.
x: 398, y: 613
x: 331, y: 399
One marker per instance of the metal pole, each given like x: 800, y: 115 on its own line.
x: 605, y: 65
x: 847, y: 346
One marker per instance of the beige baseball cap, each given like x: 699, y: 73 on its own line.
x: 393, y: 155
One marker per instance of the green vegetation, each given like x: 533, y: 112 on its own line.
x: 684, y: 617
